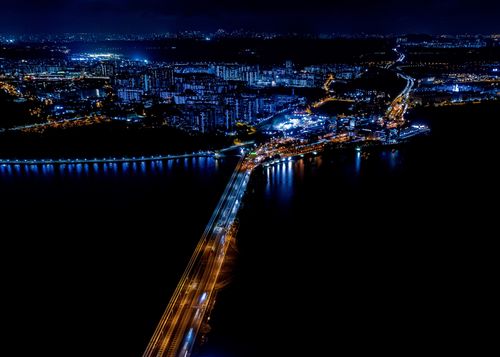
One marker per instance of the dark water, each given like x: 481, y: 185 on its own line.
x: 343, y: 253
x: 90, y: 257
x: 349, y: 254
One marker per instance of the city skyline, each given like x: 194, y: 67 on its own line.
x: 226, y: 178
x: 349, y: 17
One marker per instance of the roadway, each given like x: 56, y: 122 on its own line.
x: 41, y: 125
x: 400, y: 59
x: 216, y: 154
x: 397, y: 110
x: 190, y: 305
x: 329, y: 98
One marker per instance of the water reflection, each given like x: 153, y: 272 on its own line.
x: 318, y: 161
x: 300, y: 169
x: 79, y: 169
x: 143, y: 168
x: 393, y: 159
x: 357, y: 162
x: 280, y: 178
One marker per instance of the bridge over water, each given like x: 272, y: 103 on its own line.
x: 194, y: 296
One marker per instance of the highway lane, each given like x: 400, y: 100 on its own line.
x: 400, y: 59
x: 218, y: 248
x: 395, y: 113
x: 188, y: 309
x: 161, y: 335
x: 399, y: 105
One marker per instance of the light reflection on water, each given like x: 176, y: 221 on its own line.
x: 106, y: 168
x: 292, y: 195
x: 101, y: 199
x: 358, y: 162
x: 280, y: 176
x: 394, y: 159
x: 300, y: 169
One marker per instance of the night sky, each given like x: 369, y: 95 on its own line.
x: 343, y: 16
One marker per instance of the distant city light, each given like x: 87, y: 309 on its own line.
x: 94, y: 56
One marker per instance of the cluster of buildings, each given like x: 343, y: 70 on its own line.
x: 461, y: 84
x: 449, y: 41
x: 202, y: 97
x: 208, y: 97
x: 449, y: 92
x: 211, y: 97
